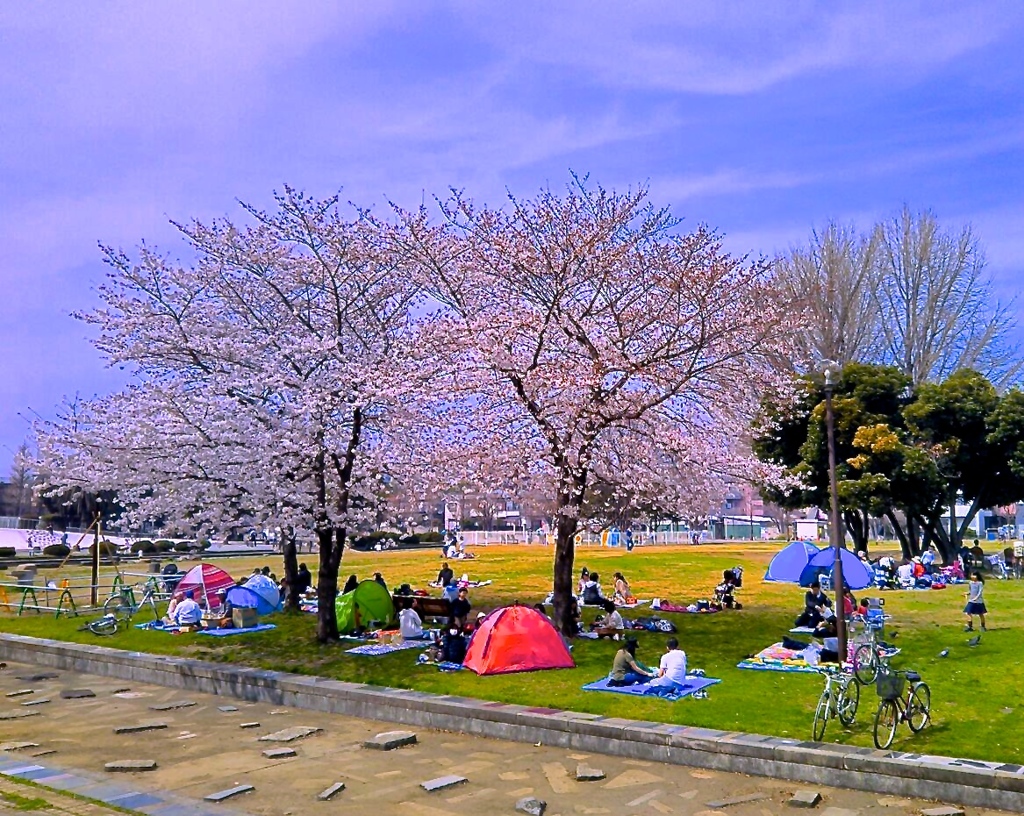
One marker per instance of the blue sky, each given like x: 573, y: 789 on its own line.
x: 763, y: 119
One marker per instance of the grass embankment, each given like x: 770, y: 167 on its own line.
x: 975, y: 691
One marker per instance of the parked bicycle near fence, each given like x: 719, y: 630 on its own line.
x: 913, y: 708
x: 839, y: 698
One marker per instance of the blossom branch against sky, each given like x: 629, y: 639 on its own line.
x: 761, y: 119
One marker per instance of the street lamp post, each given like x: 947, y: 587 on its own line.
x: 831, y: 371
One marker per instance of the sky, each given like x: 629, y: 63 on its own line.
x: 762, y: 119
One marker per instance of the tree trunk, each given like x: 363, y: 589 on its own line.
x: 901, y: 534
x: 572, y: 488
x: 943, y: 542
x: 565, y: 555
x: 856, y: 522
x: 332, y: 542
x: 291, y: 569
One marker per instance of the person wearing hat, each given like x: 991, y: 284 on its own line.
x: 626, y: 670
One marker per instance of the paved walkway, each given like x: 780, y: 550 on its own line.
x: 205, y: 748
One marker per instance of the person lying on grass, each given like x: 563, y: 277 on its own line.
x: 611, y: 623
x: 626, y: 669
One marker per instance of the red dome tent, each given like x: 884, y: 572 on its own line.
x: 204, y: 580
x: 516, y: 639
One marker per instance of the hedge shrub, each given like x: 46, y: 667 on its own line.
x: 106, y: 548
x: 144, y: 546
x: 163, y: 545
x: 57, y: 550
x: 8, y: 552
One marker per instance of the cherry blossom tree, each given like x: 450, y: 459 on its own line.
x: 585, y: 335
x: 266, y: 378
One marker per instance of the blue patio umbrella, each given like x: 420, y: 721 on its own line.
x: 856, y: 574
x: 789, y: 564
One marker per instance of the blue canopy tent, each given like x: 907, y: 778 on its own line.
x: 242, y: 597
x: 789, y: 564
x: 856, y: 574
x: 267, y: 591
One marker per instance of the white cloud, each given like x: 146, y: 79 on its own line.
x: 740, y: 47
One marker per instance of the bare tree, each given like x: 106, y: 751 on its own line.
x: 937, y: 307
x: 834, y: 277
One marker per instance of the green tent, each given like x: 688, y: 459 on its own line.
x: 373, y: 603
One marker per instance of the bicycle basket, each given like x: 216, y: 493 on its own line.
x: 889, y: 685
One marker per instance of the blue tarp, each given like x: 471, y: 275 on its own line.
x: 789, y: 564
x: 856, y: 574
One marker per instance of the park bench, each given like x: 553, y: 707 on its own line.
x: 436, y: 608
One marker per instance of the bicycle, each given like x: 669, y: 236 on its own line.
x: 123, y: 601
x: 914, y: 709
x: 105, y: 626
x: 871, y: 653
x: 839, y: 698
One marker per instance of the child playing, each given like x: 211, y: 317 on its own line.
x: 975, y: 602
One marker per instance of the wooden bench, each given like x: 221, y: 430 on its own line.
x: 426, y: 607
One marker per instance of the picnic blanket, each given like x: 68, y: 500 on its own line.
x: 467, y: 584
x: 667, y: 606
x: 260, y: 627
x: 777, y: 658
x: 378, y: 649
x: 693, y: 683
x: 160, y: 626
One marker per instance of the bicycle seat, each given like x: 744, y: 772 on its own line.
x: 913, y: 676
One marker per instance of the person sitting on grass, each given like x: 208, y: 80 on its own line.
x: 187, y: 613
x: 224, y: 608
x: 671, y: 670
x: 815, y: 604
x: 622, y: 593
x: 827, y: 631
x: 445, y: 576
x: 611, y: 624
x: 350, y: 584
x: 409, y: 622
x: 592, y: 593
x: 453, y: 643
x: 626, y: 670
x: 584, y: 577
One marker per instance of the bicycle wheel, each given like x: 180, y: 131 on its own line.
x: 886, y: 719
x: 865, y: 664
x: 849, y: 699
x: 114, y: 605
x: 821, y: 714
x: 919, y: 706
x: 106, y: 625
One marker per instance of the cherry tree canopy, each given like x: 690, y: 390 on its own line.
x: 585, y: 334
x: 267, y: 374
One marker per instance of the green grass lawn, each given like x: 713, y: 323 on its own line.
x: 975, y: 691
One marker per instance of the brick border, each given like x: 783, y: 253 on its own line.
x: 981, y: 784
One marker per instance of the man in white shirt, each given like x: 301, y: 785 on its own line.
x: 905, y: 574
x: 409, y: 624
x: 672, y: 669
x: 187, y: 612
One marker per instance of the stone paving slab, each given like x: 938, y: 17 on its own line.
x: 619, y: 742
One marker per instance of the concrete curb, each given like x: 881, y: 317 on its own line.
x: 966, y: 782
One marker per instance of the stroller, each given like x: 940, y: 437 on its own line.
x: 725, y: 592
